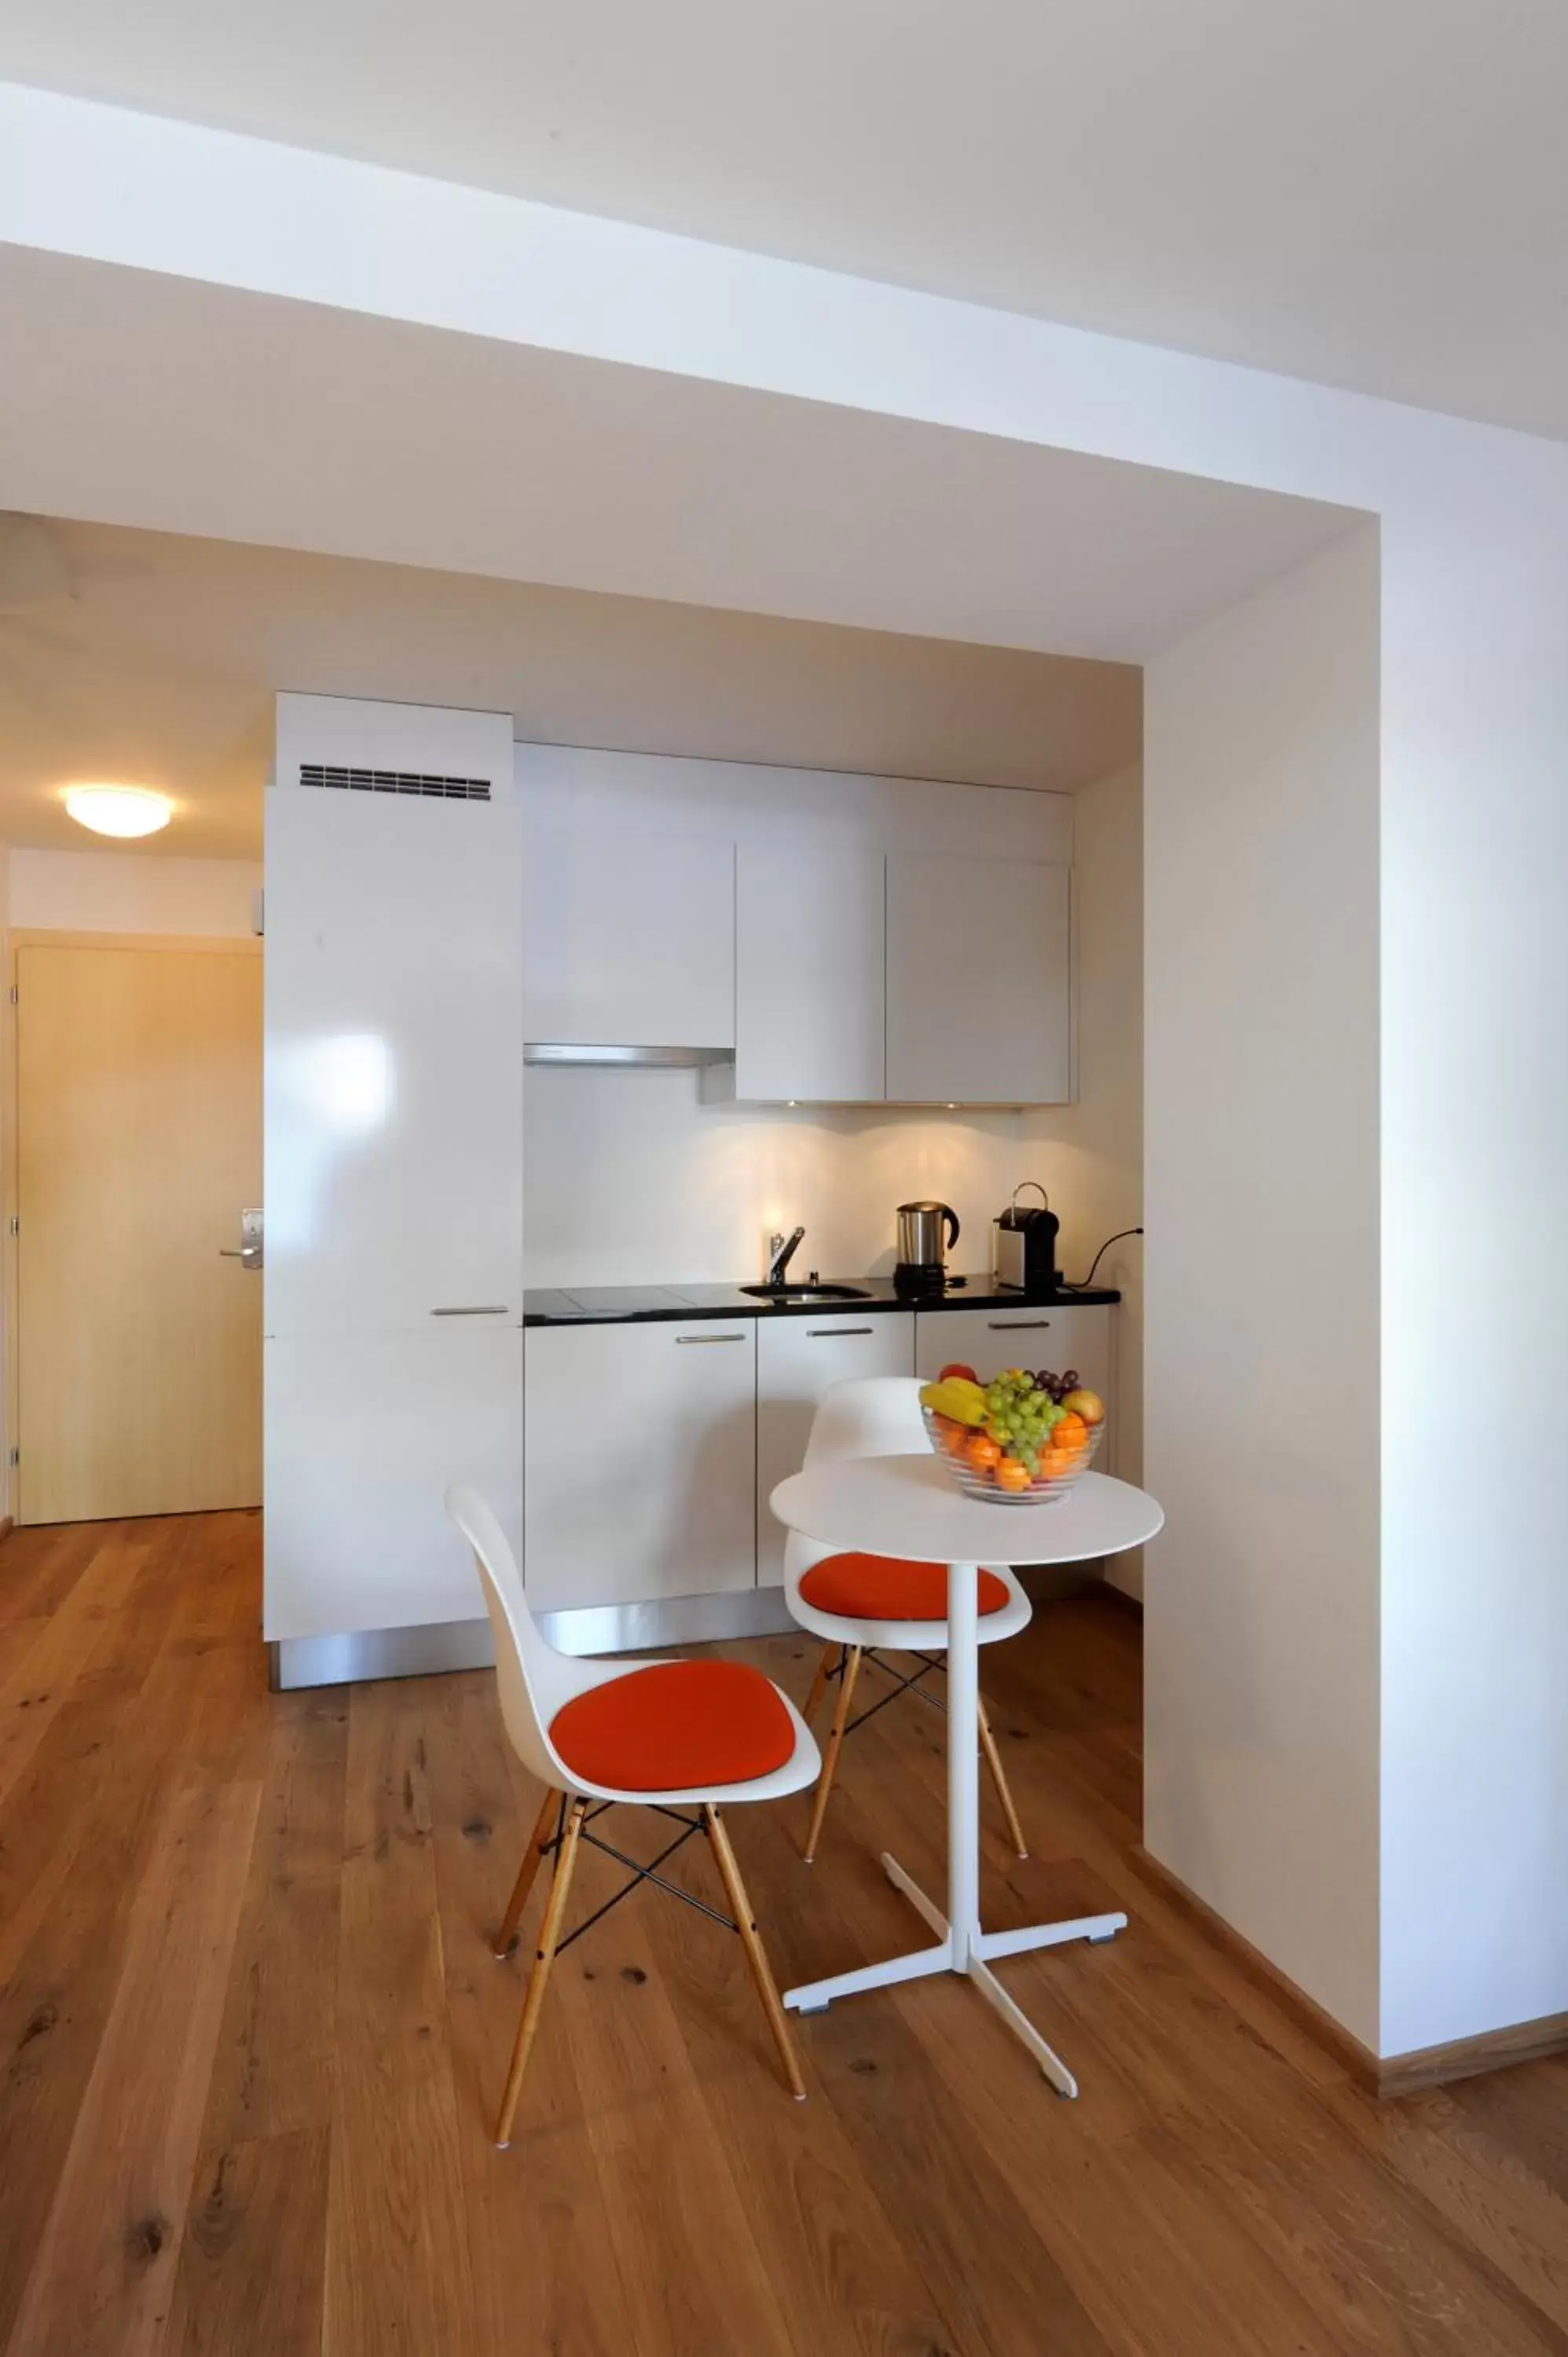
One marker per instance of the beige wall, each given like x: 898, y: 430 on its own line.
x: 1090, y: 1154
x: 130, y: 892
x: 1260, y: 947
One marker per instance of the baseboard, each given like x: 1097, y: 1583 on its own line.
x: 1466, y: 2058
x: 426, y: 1650
x: 1359, y: 2059
x: 430, y: 1649
x: 1049, y: 1583
x: 1385, y: 2074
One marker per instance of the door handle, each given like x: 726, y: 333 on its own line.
x: 1015, y: 1325
x: 248, y: 1252
x: 681, y: 1338
x: 832, y: 1333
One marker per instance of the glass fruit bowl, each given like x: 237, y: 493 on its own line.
x: 1012, y: 1442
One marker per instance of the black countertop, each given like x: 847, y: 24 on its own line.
x: 624, y: 1304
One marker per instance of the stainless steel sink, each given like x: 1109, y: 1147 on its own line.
x: 807, y: 1293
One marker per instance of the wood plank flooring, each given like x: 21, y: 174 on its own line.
x: 254, y: 2039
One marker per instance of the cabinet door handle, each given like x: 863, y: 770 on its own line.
x: 834, y: 1333
x: 473, y: 1309
x: 681, y: 1339
x: 1015, y: 1325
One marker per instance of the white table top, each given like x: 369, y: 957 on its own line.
x: 907, y: 1506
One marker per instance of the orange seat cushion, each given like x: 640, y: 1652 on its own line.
x: 677, y: 1727
x: 889, y: 1587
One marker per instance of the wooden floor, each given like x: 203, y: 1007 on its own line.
x: 255, y: 2037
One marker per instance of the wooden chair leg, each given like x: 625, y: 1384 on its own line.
x: 756, y: 1954
x: 550, y: 1932
x: 999, y: 1777
x: 814, y: 1700
x: 525, y: 1874
x: 830, y: 1757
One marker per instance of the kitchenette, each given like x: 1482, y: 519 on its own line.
x: 713, y: 1388
x: 689, y: 1088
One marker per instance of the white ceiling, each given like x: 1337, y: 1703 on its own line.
x: 150, y: 659
x: 1369, y: 192
x: 174, y: 404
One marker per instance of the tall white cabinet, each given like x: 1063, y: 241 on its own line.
x: 394, y: 1163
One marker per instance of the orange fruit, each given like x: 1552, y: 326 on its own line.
x: 1070, y: 1424
x: 981, y: 1452
x: 1012, y: 1475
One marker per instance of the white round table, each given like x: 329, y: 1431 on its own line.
x: 909, y: 1506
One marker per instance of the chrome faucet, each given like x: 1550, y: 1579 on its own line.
x: 779, y: 1249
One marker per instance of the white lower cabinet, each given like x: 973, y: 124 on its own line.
x: 651, y: 1451
x: 1058, y: 1335
x: 797, y: 1360
x: 639, y: 1462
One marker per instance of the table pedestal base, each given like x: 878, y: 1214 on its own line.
x: 968, y: 1952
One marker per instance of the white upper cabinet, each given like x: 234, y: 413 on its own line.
x: 978, y: 990
x: 855, y: 940
x: 628, y: 940
x: 810, y: 974
x: 393, y: 1061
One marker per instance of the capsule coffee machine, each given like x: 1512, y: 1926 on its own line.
x: 925, y: 1232
x: 1024, y: 1244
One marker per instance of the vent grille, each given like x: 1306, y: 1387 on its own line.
x: 393, y: 781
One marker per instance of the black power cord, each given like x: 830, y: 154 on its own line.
x: 1100, y: 1255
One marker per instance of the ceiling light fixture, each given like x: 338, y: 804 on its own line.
x: 124, y: 810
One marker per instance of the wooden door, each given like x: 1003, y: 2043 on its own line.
x: 138, y: 1143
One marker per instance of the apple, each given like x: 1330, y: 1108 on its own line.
x: 958, y: 1367
x: 1088, y: 1404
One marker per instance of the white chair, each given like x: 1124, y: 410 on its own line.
x: 665, y: 1736
x: 865, y: 1605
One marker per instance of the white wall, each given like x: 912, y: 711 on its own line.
x: 1262, y: 1622
x: 1090, y: 1153
x: 630, y: 1180
x: 131, y: 892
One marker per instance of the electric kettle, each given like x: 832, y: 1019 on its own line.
x: 925, y: 1232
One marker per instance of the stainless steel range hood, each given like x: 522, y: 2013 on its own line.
x: 682, y: 1059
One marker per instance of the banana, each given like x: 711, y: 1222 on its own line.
x: 958, y: 1398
